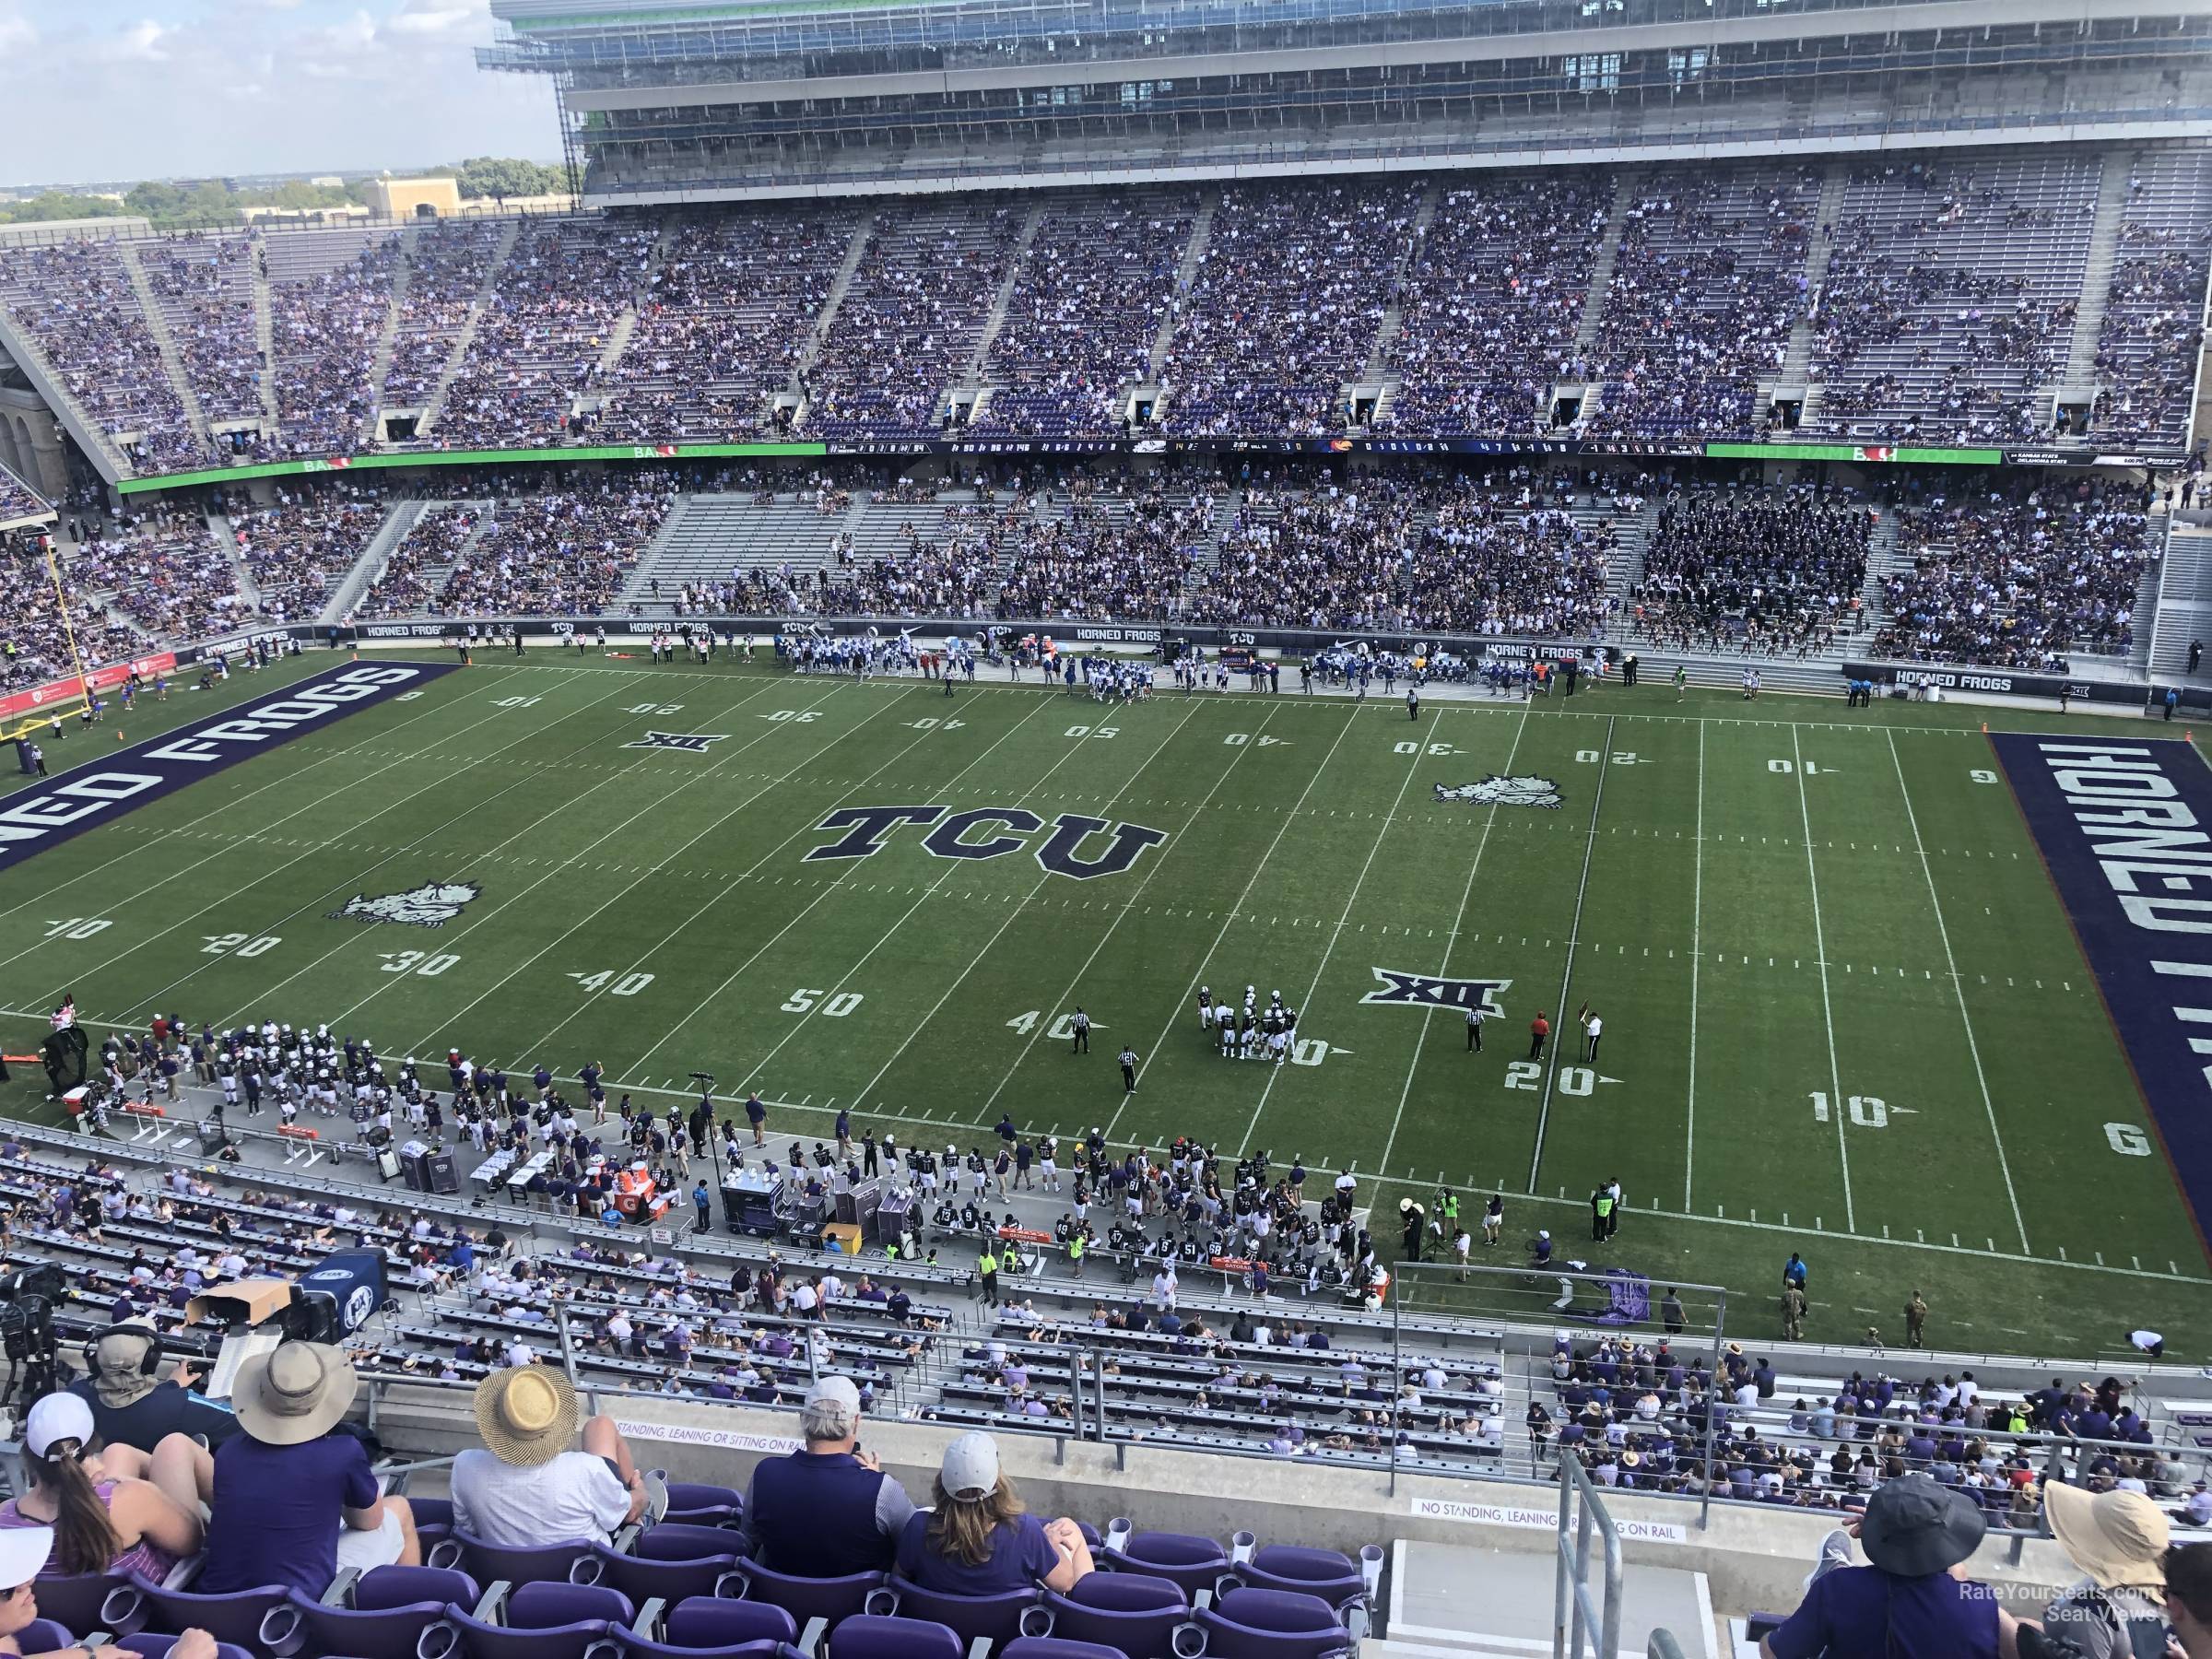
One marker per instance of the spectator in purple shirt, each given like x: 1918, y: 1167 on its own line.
x: 979, y: 1539
x: 1914, y: 1601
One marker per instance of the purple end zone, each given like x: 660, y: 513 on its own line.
x: 92, y: 795
x: 2125, y: 829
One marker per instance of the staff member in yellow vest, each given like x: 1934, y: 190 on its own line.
x: 1601, y: 1212
x: 1075, y: 1253
x: 986, y: 1264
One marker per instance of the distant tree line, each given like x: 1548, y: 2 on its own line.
x: 212, y: 204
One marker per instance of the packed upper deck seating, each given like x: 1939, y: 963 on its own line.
x: 329, y: 299
x: 445, y: 270
x: 2152, y: 335
x: 204, y: 288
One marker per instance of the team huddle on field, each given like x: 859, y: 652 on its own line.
x: 1250, y: 1032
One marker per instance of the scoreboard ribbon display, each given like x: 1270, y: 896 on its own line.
x: 83, y: 799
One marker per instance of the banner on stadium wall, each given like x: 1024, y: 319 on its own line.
x: 921, y: 448
x: 2007, y: 682
x: 99, y: 679
x: 1531, y: 1518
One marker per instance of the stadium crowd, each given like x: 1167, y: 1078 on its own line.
x: 1768, y: 573
x: 324, y: 331
x: 564, y: 551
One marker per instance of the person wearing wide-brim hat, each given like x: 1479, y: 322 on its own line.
x: 294, y: 1496
x: 2118, y: 1539
x: 1913, y: 1600
x: 529, y: 1484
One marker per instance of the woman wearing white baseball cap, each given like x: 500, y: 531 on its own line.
x: 981, y: 1539
x: 23, y: 1553
x: 101, y: 1523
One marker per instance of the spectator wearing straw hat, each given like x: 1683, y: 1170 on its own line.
x: 828, y: 1510
x: 288, y: 1486
x: 23, y: 1554
x: 980, y: 1539
x: 529, y: 1484
x: 2118, y: 1539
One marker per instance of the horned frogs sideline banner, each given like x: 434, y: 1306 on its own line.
x: 90, y: 795
x: 2125, y: 828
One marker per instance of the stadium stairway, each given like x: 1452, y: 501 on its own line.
x: 434, y: 405
x: 2184, y: 603
x: 1186, y: 273
x: 2078, y: 383
x: 1626, y: 183
x: 347, y: 592
x: 1394, y: 313
x: 863, y: 230
x: 39, y: 370
x: 241, y: 574
x: 1794, y: 378
x: 1016, y: 263
x: 379, y: 365
x: 1881, y: 558
x: 165, y: 342
x: 264, y: 336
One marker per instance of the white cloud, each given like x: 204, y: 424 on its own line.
x: 139, y: 43
x: 435, y: 17
x: 17, y: 34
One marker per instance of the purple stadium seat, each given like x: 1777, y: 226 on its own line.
x: 643, y: 1579
x: 235, y: 1618
x: 1058, y: 1647
x: 391, y: 1609
x: 1272, y: 1624
x: 433, y: 1518
x: 705, y: 1627
x: 830, y: 1600
x: 870, y: 1636
x: 146, y: 1644
x: 701, y: 1504
x: 682, y: 1541
x: 492, y: 1563
x: 1195, y: 1563
x: 992, y: 1618
x: 632, y: 1646
x: 1132, y: 1611
x: 44, y: 1636
x: 544, y: 1621
x: 1336, y: 1578
x: 92, y: 1601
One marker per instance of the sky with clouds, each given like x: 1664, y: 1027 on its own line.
x: 126, y: 90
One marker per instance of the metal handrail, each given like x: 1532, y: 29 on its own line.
x: 1575, y: 1618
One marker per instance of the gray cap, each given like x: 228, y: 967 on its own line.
x: 837, y: 1390
x: 970, y: 1467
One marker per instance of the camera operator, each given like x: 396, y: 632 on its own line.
x: 130, y: 1407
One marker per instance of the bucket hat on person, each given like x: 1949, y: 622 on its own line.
x: 295, y: 1392
x: 527, y: 1414
x: 1914, y: 1527
x: 2117, y: 1537
x: 116, y: 1358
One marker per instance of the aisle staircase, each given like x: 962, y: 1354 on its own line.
x: 402, y: 277
x: 165, y: 342
x: 264, y: 336
x: 434, y: 405
x: 347, y: 593
x: 2078, y: 382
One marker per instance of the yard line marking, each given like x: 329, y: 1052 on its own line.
x: 1466, y: 893
x: 828, y: 888
x: 1697, y: 908
x: 1030, y: 1041
x: 1958, y: 990
x: 571, y: 931
x: 190, y: 826
x: 502, y: 907
x: 1329, y: 949
x: 1574, y: 930
x: 1835, y: 1080
x: 1190, y: 991
x: 310, y: 850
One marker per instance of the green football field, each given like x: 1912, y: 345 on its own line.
x: 1843, y: 1010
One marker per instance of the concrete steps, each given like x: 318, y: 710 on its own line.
x: 1186, y: 273
x: 241, y: 574
x: 2078, y: 382
x: 1795, y: 374
x: 1627, y: 184
x: 1394, y: 314
x: 403, y: 272
x: 1005, y: 296
x: 347, y: 592
x: 165, y: 342
x: 77, y: 420
x: 812, y: 351
x: 435, y: 405
x: 265, y: 339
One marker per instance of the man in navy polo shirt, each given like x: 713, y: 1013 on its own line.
x: 1910, y: 1604
x: 829, y: 1509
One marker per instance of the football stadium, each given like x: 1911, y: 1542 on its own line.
x: 1291, y: 829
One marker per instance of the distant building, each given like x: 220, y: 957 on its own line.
x: 413, y: 198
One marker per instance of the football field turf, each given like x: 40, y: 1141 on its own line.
x: 1844, y: 1010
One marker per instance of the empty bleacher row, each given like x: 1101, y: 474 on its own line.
x: 1657, y: 304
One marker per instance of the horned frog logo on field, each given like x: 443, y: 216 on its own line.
x: 1500, y: 791
x: 433, y: 905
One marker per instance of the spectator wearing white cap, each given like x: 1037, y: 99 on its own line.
x: 24, y: 1552
x: 979, y: 1539
x: 828, y: 1510
x: 104, y: 1521
x: 529, y: 1484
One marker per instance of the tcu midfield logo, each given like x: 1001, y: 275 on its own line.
x: 865, y: 828
x: 433, y: 905
x: 1498, y: 791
